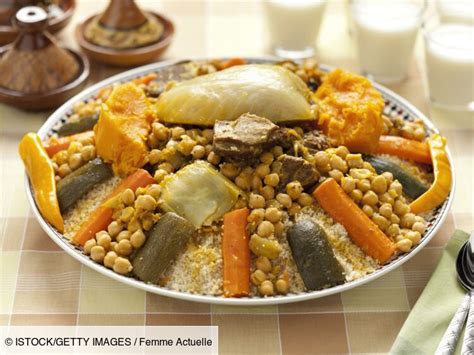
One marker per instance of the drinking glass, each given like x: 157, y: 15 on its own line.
x: 449, y: 53
x: 385, y: 33
x: 455, y: 11
x: 294, y: 26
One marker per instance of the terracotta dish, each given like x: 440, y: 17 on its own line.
x: 35, y: 72
x: 123, y: 16
x: 56, y: 22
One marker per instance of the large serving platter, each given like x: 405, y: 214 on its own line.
x: 394, y: 105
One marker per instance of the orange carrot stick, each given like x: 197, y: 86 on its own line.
x: 405, y: 149
x: 55, y: 145
x: 102, y: 216
x: 231, y: 62
x: 236, y: 254
x: 362, y: 230
x: 145, y: 79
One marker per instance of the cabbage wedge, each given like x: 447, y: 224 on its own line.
x: 268, y: 91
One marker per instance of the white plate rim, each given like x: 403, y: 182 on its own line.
x: 219, y: 300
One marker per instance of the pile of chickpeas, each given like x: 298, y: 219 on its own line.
x: 84, y: 109
x: 76, y: 155
x: 134, y: 214
x: 397, y: 126
x: 379, y: 196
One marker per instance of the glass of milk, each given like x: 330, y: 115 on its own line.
x: 455, y: 11
x: 449, y: 53
x: 385, y: 34
x: 294, y: 26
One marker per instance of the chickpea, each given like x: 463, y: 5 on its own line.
x: 272, y: 179
x: 127, y: 214
x: 342, y: 151
x: 386, y: 198
x: 284, y: 199
x: 97, y: 253
x: 380, y: 221
x: 125, y: 234
x: 127, y: 197
x: 363, y: 185
x: 74, y: 147
x: 388, y: 177
x: 419, y: 227
x: 272, y: 214
x: 321, y: 159
x: 386, y: 210
x: 393, y: 230
x: 137, y: 239
x: 124, y: 247
x: 64, y: 170
x: 229, y: 170
x: 368, y: 210
x: 266, y: 288
x: 268, y: 192
x: 419, y: 134
x: 356, y: 195
x: 104, y: 240
x: 265, y: 229
x: 404, y: 245
x: 88, y: 153
x: 294, y: 209
x: 186, y: 145
x: 401, y: 208
x: 167, y: 166
x: 160, y: 131
x: 114, y: 228
x: 354, y: 161
x: 89, y: 245
x: 266, y: 158
x: 213, y: 158
x: 177, y: 132
x: 208, y: 134
x: 154, y: 191
x: 154, y: 156
x: 415, y: 237
x: 264, y: 264
x: 109, y: 259
x: 75, y: 161
x: 336, y: 175
x: 394, y: 219
x: 348, y: 184
x: 256, y: 183
x: 122, y: 266
x: 262, y: 170
x: 61, y: 157
x: 282, y: 286
x: 407, y: 220
x: 198, y: 152
x: 294, y: 189
x: 279, y: 229
x: 243, y: 181
x: 256, y: 201
x: 145, y: 202
x: 277, y: 151
x: 397, y: 187
x: 370, y: 198
x: 379, y: 184
x: 305, y: 199
x: 338, y: 163
x: 160, y: 174
x: 147, y: 221
x: 257, y: 277
x: 256, y: 216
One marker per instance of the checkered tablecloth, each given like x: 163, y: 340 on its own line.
x: 42, y: 285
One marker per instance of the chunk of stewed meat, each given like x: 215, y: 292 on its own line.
x: 245, y: 138
x: 315, y: 141
x: 294, y: 168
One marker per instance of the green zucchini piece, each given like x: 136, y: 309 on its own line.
x: 413, y: 187
x: 164, y: 242
x: 313, y: 255
x: 75, y: 185
x: 82, y: 125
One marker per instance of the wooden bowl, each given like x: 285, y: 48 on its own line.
x: 127, y: 57
x: 56, y: 24
x: 53, y: 98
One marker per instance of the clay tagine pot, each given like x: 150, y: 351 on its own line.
x: 35, y: 72
x: 59, y: 15
x: 124, y: 35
